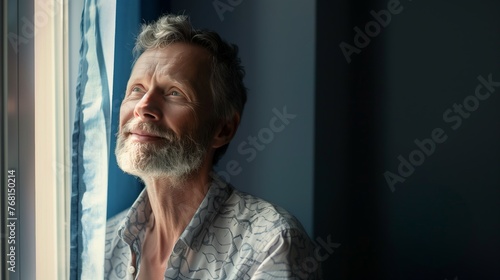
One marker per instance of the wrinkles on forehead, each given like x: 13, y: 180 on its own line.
x: 159, y: 64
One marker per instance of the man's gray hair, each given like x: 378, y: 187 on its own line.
x: 228, y: 91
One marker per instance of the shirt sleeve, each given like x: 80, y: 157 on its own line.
x: 290, y: 255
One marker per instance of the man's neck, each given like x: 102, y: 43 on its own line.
x: 173, y: 205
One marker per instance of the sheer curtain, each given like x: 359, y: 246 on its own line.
x: 90, y: 148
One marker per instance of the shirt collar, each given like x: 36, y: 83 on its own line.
x: 136, y: 219
x: 138, y: 215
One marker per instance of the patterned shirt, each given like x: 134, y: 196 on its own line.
x: 232, y: 235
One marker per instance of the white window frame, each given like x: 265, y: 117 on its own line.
x: 52, y: 140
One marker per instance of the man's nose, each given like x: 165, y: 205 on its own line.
x: 149, y: 107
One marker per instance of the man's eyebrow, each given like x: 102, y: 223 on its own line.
x: 186, y: 86
x: 174, y: 78
x: 134, y: 81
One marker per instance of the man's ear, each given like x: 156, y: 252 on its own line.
x: 225, y: 131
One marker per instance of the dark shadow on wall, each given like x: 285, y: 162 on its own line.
x: 347, y: 141
x: 406, y: 148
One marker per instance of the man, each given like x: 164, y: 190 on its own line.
x: 183, y: 104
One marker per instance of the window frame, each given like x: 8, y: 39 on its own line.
x: 52, y: 139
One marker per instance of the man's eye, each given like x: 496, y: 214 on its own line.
x: 136, y: 89
x: 175, y: 93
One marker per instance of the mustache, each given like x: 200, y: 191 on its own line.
x: 147, y: 127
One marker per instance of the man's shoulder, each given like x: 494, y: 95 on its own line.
x: 258, y: 215
x: 264, y: 235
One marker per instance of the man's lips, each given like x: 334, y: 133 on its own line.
x: 143, y: 136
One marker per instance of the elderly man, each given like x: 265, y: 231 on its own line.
x: 183, y: 104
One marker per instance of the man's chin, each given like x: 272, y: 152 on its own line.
x: 147, y: 161
x: 148, y: 170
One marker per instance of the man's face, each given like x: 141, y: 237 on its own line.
x: 166, y: 117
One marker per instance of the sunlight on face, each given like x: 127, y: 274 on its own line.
x: 166, y: 123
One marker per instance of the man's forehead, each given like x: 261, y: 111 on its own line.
x: 177, y: 55
x: 150, y: 61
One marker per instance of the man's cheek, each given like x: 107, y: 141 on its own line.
x: 124, y: 119
x: 127, y: 109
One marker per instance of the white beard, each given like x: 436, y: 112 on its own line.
x: 174, y: 158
